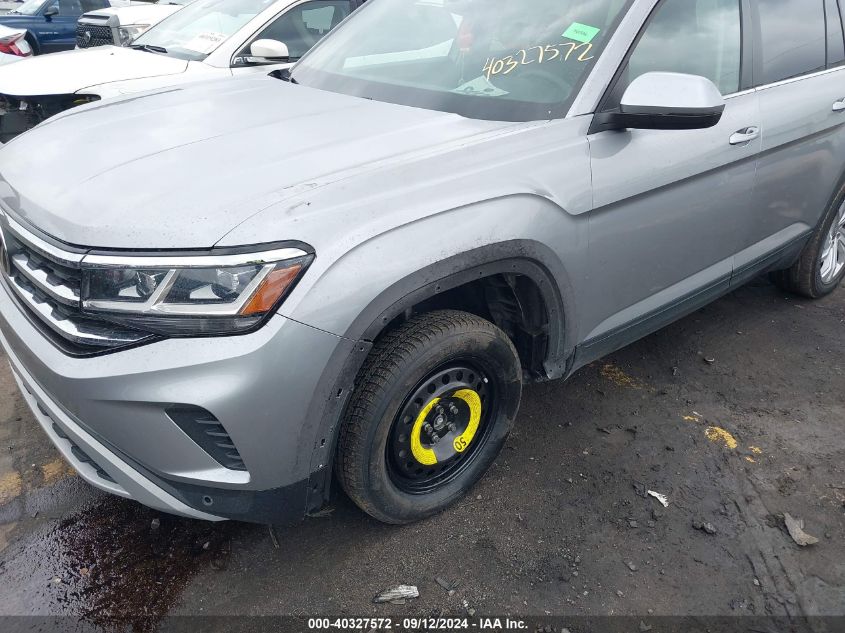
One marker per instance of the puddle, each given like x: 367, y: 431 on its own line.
x: 119, y: 560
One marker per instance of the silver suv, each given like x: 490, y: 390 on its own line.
x: 216, y: 297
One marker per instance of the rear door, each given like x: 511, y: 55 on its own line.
x: 800, y: 79
x: 667, y: 204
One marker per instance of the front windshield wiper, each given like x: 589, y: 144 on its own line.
x: 150, y: 48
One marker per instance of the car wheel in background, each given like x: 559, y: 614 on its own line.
x: 821, y: 267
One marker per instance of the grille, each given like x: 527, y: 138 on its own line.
x: 82, y: 455
x: 46, y: 280
x: 206, y: 430
x: 17, y: 114
x: 89, y: 35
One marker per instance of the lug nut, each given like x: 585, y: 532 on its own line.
x: 428, y: 428
x: 453, y: 428
x: 453, y: 409
x: 435, y: 438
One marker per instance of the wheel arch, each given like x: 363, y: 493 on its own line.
x: 527, y: 259
x: 33, y: 43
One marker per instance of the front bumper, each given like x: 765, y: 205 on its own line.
x: 107, y: 414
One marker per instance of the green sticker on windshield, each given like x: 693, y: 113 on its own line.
x: 581, y: 32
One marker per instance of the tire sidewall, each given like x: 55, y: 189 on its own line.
x: 821, y: 288
x: 498, y: 358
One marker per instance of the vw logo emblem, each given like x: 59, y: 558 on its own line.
x: 86, y: 38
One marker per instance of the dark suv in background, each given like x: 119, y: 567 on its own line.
x: 51, y: 24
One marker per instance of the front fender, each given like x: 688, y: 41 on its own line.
x: 377, y: 281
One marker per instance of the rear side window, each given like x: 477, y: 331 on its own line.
x: 696, y: 37
x: 793, y: 38
x: 835, y: 40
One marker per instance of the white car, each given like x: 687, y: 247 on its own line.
x: 120, y: 25
x: 205, y: 40
x: 13, y: 45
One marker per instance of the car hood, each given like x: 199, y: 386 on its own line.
x: 140, y: 14
x: 182, y: 167
x: 71, y: 71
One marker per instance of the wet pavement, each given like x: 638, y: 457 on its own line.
x: 736, y: 414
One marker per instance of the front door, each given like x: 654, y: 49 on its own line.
x: 668, y: 204
x: 59, y: 31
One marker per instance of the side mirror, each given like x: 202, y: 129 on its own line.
x: 665, y: 101
x: 51, y: 11
x: 268, y: 52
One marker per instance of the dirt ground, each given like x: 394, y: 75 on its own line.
x: 736, y: 414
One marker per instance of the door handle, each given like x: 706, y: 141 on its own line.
x: 839, y: 106
x: 747, y: 135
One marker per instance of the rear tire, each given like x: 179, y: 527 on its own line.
x: 821, y: 267
x: 32, y: 44
x: 432, y: 408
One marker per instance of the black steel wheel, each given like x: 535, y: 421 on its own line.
x: 432, y: 408
x: 440, y: 427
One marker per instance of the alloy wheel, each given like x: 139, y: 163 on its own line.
x: 833, y: 253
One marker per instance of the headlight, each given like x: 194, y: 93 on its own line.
x: 129, y: 32
x: 190, y: 295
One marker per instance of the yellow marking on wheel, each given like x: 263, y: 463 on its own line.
x: 462, y: 442
x: 11, y: 486
x: 423, y: 455
x: 719, y: 435
x: 56, y: 470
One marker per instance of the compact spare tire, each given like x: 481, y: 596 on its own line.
x: 431, y: 410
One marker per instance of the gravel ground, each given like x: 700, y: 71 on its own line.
x: 735, y: 413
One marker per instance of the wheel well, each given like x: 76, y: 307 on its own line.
x: 33, y: 43
x: 514, y: 302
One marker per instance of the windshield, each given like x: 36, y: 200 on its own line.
x: 510, y: 60
x: 195, y: 32
x: 30, y: 7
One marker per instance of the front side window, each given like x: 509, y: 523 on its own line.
x: 30, y: 7
x: 696, y: 37
x: 305, y: 25
x: 196, y: 31
x: 793, y: 33
x: 488, y: 59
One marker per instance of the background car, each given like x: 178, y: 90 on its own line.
x: 13, y: 45
x: 208, y: 39
x: 50, y: 24
x: 121, y: 25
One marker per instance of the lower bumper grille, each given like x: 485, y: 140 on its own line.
x: 82, y: 455
x: 206, y: 430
